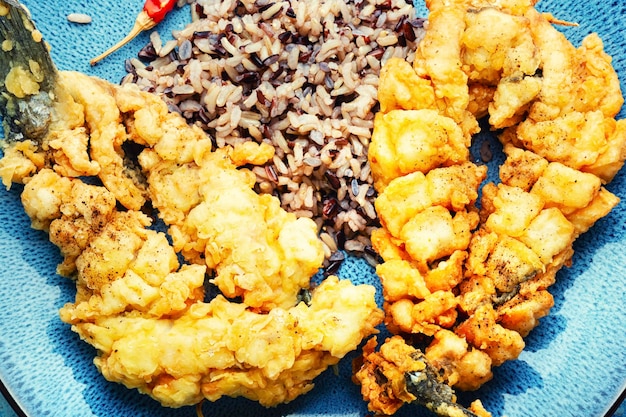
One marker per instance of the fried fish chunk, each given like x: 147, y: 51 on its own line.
x: 466, y: 282
x: 133, y: 294
x: 137, y: 303
x: 422, y: 140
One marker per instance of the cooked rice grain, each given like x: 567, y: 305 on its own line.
x: 301, y: 75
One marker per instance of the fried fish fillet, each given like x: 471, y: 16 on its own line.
x: 470, y: 277
x: 142, y: 309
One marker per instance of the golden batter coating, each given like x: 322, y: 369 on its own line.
x: 470, y: 279
x: 142, y: 309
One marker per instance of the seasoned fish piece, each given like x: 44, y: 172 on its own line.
x: 466, y: 282
x: 422, y: 140
x: 132, y: 294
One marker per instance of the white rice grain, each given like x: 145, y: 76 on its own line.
x: 80, y: 18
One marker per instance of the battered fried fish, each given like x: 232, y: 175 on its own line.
x: 146, y: 315
x: 143, y: 310
x: 471, y: 280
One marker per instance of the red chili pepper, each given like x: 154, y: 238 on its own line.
x: 153, y: 12
x: 157, y: 9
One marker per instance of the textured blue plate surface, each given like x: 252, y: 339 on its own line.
x: 574, y: 363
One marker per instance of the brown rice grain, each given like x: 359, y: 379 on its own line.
x: 301, y: 75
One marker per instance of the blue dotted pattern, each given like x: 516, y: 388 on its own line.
x: 574, y: 363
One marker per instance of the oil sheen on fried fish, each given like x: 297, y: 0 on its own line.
x: 26, y: 92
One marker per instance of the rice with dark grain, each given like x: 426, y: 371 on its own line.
x: 299, y: 74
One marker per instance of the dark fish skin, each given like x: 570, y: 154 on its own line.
x: 431, y: 393
x: 28, y: 117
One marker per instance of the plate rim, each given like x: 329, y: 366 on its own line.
x: 11, y: 400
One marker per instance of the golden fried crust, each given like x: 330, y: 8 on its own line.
x: 258, y: 251
x: 382, y: 374
x: 480, y: 98
x: 400, y: 279
x: 522, y: 314
x: 422, y: 140
x: 399, y: 87
x: 476, y: 280
x: 453, y: 188
x: 462, y: 366
x: 521, y: 168
x: 438, y: 56
x: 427, y: 316
x: 132, y: 292
x: 497, y: 45
x: 221, y: 348
x: 107, y: 135
x: 482, y: 331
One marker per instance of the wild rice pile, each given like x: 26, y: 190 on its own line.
x: 299, y: 74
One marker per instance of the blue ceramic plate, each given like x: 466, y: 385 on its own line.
x: 574, y: 363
